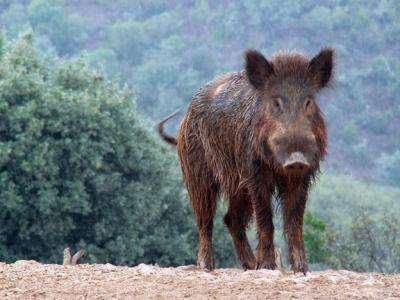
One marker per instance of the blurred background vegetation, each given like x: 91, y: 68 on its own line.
x: 82, y: 83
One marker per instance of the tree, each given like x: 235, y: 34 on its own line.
x: 371, y: 245
x: 80, y: 167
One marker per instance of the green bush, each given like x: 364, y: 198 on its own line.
x: 316, y: 238
x: 371, y: 244
x: 80, y: 167
x: 362, y: 227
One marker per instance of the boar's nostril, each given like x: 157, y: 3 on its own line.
x: 296, y: 162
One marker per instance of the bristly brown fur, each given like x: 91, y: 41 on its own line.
x: 236, y: 135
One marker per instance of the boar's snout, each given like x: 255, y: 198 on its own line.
x: 296, y: 162
x: 295, y: 153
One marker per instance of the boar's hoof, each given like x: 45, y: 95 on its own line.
x: 248, y: 266
x: 270, y: 265
x: 300, y: 266
x: 206, y: 264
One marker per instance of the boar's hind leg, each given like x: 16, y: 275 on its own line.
x: 203, y: 197
x: 293, y: 210
x: 237, y: 219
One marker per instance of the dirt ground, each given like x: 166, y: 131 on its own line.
x: 32, y: 280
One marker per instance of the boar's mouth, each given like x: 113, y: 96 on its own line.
x: 293, y: 156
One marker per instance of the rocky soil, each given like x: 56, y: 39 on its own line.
x: 32, y: 280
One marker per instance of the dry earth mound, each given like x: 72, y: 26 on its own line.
x: 32, y: 280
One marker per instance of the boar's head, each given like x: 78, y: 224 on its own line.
x: 289, y: 123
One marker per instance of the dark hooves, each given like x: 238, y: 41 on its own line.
x: 266, y: 265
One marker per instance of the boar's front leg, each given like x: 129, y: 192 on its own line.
x: 294, y: 202
x: 265, y: 227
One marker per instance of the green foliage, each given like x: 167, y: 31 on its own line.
x: 166, y: 50
x: 129, y: 40
x: 15, y: 19
x: 100, y: 59
x: 80, y: 167
x: 65, y: 31
x: 362, y: 227
x: 316, y: 239
x: 370, y: 245
x: 336, y: 198
x: 389, y: 167
x: 1, y: 44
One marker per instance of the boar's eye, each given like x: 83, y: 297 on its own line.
x: 277, y: 103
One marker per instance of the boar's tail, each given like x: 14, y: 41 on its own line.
x: 160, y: 128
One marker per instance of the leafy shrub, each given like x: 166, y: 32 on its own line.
x: 316, y: 238
x: 80, y: 167
x: 361, y: 221
x: 370, y: 245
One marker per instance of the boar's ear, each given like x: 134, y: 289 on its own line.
x: 321, y: 67
x: 258, y: 68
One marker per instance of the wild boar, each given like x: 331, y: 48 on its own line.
x: 252, y: 136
